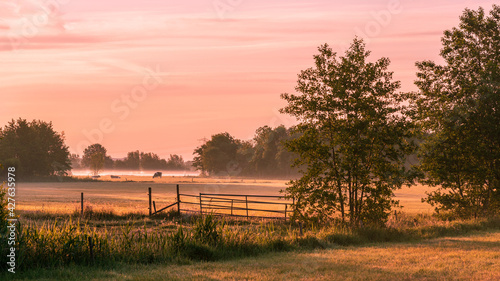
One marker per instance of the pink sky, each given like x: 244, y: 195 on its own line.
x: 159, y: 76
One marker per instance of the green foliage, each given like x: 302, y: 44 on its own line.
x: 458, y: 110
x: 54, y: 243
x: 270, y: 157
x: 3, y: 205
x: 218, y: 155
x: 137, y: 160
x: 151, y: 161
x: 94, y: 157
x: 208, y: 230
x: 264, y: 156
x: 175, y: 162
x: 352, y: 139
x: 4, y: 212
x: 34, y: 148
x: 131, y: 162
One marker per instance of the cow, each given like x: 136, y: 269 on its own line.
x: 115, y: 177
x: 157, y: 174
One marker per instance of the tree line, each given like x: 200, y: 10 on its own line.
x: 354, y: 136
x: 96, y: 159
x: 263, y: 156
x: 357, y: 131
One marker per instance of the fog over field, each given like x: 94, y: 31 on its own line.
x: 146, y: 173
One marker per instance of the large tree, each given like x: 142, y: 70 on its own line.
x: 218, y: 156
x: 352, y: 138
x: 94, y: 157
x: 35, y: 148
x: 458, y: 108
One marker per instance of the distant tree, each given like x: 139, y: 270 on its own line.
x: 151, y: 161
x: 270, y: 157
x: 218, y: 155
x: 244, y: 155
x: 34, y: 148
x: 109, y: 163
x: 119, y: 164
x: 94, y: 157
x: 458, y: 108
x: 131, y: 162
x: 75, y: 161
x: 352, y: 138
x: 175, y: 162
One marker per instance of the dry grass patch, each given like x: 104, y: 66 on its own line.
x: 475, y: 257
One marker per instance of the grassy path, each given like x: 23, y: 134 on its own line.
x: 474, y: 257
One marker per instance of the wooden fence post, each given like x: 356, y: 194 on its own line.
x: 246, y: 201
x: 149, y: 194
x: 232, y: 200
x: 154, y: 207
x: 285, y: 211
x: 178, y: 201
x: 81, y: 200
x: 201, y: 208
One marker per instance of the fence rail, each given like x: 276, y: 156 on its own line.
x: 216, y: 203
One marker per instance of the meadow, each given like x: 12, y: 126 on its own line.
x: 472, y: 257
x: 128, y: 245
x: 129, y: 193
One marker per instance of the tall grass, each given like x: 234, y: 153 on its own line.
x: 60, y: 242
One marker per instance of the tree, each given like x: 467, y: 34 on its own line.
x: 75, y: 161
x: 94, y: 157
x: 34, y: 148
x: 218, y: 155
x: 175, y: 162
x: 351, y: 140
x: 131, y: 162
x: 151, y: 161
x: 270, y: 157
x: 458, y: 109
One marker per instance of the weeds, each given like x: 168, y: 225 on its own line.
x: 135, y: 239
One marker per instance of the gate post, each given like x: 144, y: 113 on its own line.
x: 246, y: 201
x: 149, y: 194
x: 201, y: 208
x: 178, y: 202
x: 82, y: 203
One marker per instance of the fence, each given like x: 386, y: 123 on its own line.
x: 238, y: 205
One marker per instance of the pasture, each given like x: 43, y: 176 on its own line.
x: 129, y: 193
x: 416, y: 247
x: 473, y: 257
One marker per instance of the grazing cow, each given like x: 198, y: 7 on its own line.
x: 157, y: 174
x: 115, y: 177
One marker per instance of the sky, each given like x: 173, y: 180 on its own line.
x: 161, y: 76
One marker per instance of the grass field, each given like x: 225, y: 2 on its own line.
x: 129, y: 193
x: 473, y: 257
x: 420, y: 247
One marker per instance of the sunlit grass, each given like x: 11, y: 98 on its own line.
x: 474, y: 257
x: 115, y: 216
